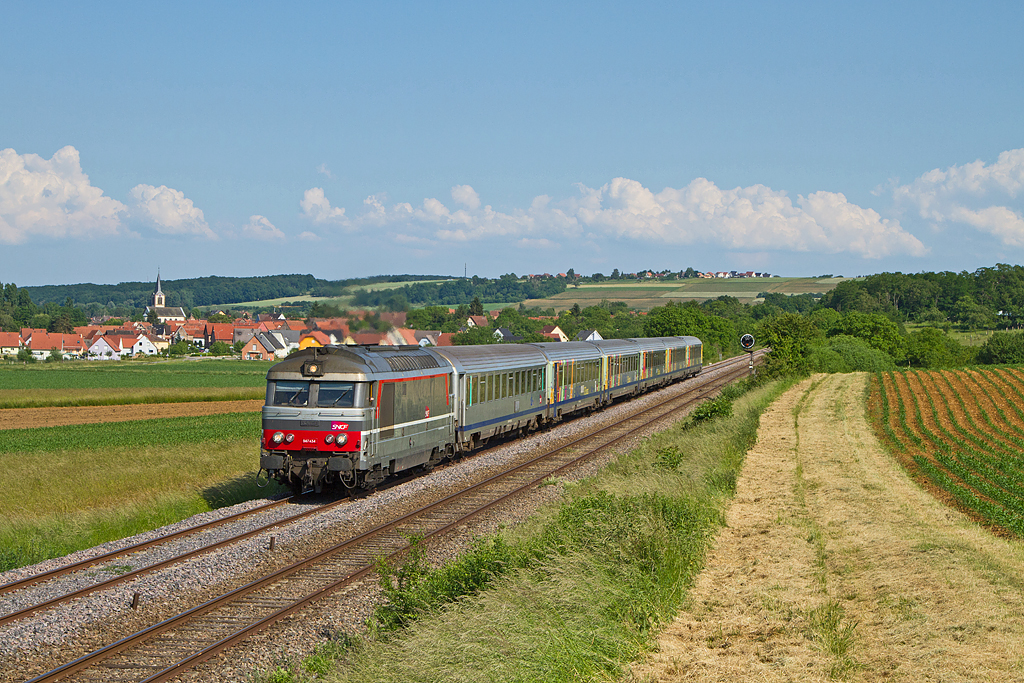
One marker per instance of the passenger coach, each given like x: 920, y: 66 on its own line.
x: 356, y: 415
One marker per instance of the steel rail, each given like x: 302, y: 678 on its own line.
x: 121, y: 578
x: 103, y: 653
x: 99, y: 559
x: 221, y: 645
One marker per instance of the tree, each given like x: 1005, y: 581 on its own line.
x: 55, y: 356
x: 1003, y: 348
x: 690, y: 272
x: 220, y: 348
x: 476, y: 307
x: 717, y: 334
x: 25, y: 355
x: 180, y: 348
x: 790, y: 337
x: 152, y: 318
x: 932, y: 348
x: 874, y: 328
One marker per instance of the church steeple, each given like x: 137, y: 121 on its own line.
x: 158, y: 297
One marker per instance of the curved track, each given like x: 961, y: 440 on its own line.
x: 164, y: 650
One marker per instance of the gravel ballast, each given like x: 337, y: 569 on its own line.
x: 72, y: 629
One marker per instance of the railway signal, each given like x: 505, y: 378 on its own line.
x: 747, y: 342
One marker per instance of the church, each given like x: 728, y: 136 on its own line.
x: 159, y: 305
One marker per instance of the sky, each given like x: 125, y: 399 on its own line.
x: 348, y: 140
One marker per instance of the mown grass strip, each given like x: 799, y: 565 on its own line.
x: 576, y: 593
x: 69, y: 398
x: 125, y: 435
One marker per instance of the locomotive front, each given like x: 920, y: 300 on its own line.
x: 316, y: 418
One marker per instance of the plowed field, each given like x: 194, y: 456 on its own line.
x: 24, y: 418
x: 961, y: 435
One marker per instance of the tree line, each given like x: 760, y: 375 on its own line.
x: 506, y: 289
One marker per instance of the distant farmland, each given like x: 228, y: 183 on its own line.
x: 647, y: 295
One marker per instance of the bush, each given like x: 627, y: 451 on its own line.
x: 720, y: 406
x: 1003, y: 348
x: 843, y: 353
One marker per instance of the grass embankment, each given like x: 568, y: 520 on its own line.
x: 69, y: 488
x: 575, y: 594
x: 117, y: 383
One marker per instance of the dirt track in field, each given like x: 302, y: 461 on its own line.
x: 824, y: 522
x: 23, y: 418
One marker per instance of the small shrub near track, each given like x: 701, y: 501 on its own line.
x: 961, y: 434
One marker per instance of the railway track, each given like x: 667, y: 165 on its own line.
x: 166, y: 649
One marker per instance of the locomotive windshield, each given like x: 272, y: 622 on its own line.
x: 336, y: 395
x: 291, y: 394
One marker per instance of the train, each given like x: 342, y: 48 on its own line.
x: 353, y: 416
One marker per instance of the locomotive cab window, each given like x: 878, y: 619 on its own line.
x: 336, y: 395
x: 291, y: 394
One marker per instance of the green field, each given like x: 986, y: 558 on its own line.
x: 135, y: 375
x: 79, y: 485
x: 171, y: 431
x: 647, y: 295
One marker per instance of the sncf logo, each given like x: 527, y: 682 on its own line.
x: 339, y: 426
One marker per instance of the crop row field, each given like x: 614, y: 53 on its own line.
x: 960, y: 433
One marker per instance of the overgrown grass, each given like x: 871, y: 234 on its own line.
x: 58, y: 531
x: 577, y: 592
x: 135, y: 374
x: 42, y: 398
x: 135, y: 476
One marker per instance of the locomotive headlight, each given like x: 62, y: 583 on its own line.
x: 342, y: 439
x: 329, y: 439
x: 278, y: 437
x: 288, y: 438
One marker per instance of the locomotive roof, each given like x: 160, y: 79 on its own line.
x: 357, y: 360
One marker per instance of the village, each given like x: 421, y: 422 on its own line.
x: 263, y: 336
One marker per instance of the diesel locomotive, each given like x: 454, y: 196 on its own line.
x: 356, y: 415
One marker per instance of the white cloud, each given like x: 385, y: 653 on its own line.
x: 167, y: 211
x: 308, y: 236
x: 467, y: 196
x: 260, y: 228
x: 747, y: 218
x: 984, y: 197
x: 322, y: 168
x: 52, y: 198
x: 316, y: 208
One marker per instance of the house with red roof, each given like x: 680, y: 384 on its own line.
x: 10, y: 343
x: 259, y: 347
x: 314, y: 338
x: 554, y: 333
x: 477, y: 321
x: 218, y: 332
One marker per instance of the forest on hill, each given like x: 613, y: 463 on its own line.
x: 206, y: 291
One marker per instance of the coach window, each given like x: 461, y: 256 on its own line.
x: 490, y: 387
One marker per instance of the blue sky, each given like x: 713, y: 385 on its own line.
x: 346, y: 140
